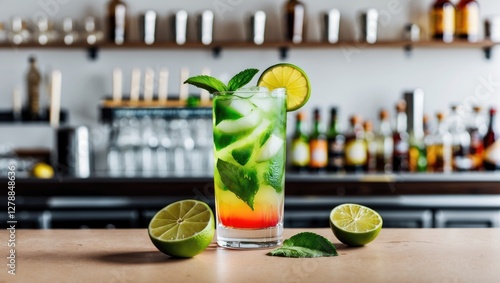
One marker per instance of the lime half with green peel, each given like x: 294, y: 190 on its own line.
x: 290, y: 77
x: 182, y: 229
x: 355, y: 225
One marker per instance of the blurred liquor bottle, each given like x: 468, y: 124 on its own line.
x: 117, y: 21
x: 491, y: 161
x: 384, y: 144
x: 439, y: 150
x: 417, y: 154
x: 468, y: 20
x: 318, y: 145
x: 400, y: 153
x: 295, y: 20
x: 371, y: 147
x: 355, y: 146
x: 300, y: 146
x: 477, y: 128
x: 461, y: 157
x: 443, y: 20
x: 336, y: 143
x: 33, y: 80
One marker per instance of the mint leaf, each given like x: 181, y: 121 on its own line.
x: 242, y: 182
x: 306, y: 244
x: 241, y: 79
x: 242, y: 154
x: 208, y: 83
x: 274, y: 176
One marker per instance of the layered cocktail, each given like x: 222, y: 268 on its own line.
x: 250, y: 150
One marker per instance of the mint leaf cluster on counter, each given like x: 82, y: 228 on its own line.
x: 306, y: 244
x: 213, y: 85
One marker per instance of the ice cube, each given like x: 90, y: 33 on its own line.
x: 270, y: 148
x: 241, y: 124
x: 263, y: 103
x: 244, y: 107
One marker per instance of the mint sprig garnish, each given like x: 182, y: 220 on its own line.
x: 208, y: 83
x: 241, y: 79
x: 212, y: 84
x: 306, y: 244
x: 242, y: 182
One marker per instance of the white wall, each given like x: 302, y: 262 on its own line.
x: 362, y: 82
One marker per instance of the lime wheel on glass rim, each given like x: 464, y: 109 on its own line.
x: 290, y: 77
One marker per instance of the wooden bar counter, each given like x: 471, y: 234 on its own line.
x: 397, y: 255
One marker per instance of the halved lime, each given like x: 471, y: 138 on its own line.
x: 354, y: 224
x: 182, y: 229
x: 290, y: 77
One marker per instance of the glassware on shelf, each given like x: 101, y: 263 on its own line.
x: 92, y: 34
x: 44, y: 34
x: 3, y: 33
x: 295, y: 21
x: 206, y: 27
x: 117, y: 21
x: 19, y: 33
x: 257, y: 30
x: 70, y: 35
x: 147, y: 25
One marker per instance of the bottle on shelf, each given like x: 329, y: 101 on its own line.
x: 417, y: 153
x: 400, y: 154
x: 300, y: 146
x: 371, y: 147
x: 426, y: 125
x: 468, y: 20
x: 384, y: 144
x: 461, y: 157
x: 491, y: 161
x: 117, y: 21
x: 443, y: 20
x: 439, y: 148
x: 318, y: 146
x: 336, y: 143
x: 33, y: 79
x: 295, y: 19
x: 477, y: 128
x: 355, y: 147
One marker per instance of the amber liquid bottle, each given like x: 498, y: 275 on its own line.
x: 33, y: 79
x: 355, y: 147
x: 468, y: 20
x: 443, y: 20
x: 117, y: 21
x: 295, y: 21
x: 439, y: 152
x: 318, y: 146
x: 477, y: 129
x: 491, y: 160
x: 384, y: 142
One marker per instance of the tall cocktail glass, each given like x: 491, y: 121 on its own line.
x: 249, y: 175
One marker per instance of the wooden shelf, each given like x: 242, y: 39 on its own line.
x: 283, y: 47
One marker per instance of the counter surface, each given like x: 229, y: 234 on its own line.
x: 397, y: 255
